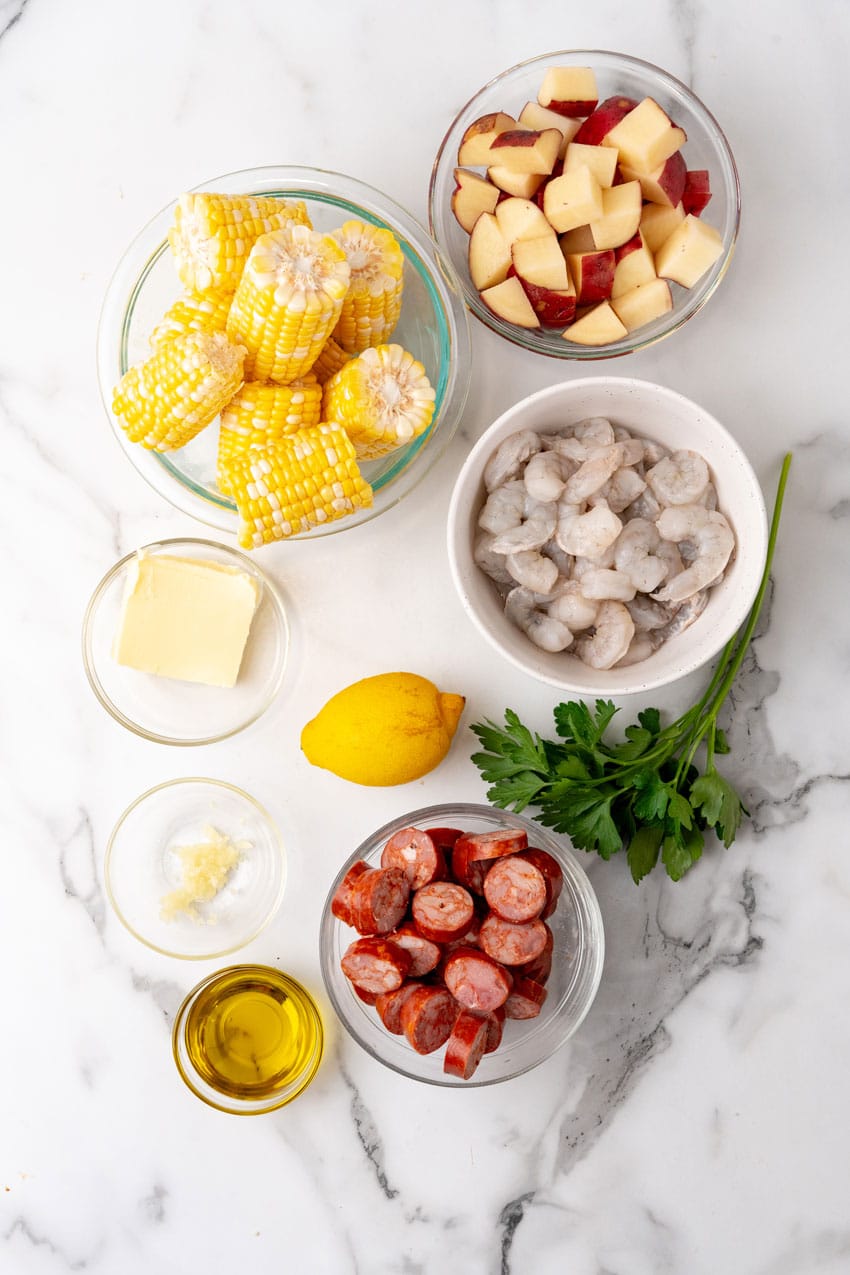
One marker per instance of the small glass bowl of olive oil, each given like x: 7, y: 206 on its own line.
x: 248, y: 1039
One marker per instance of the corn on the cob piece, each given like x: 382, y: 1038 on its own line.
x: 383, y: 399
x: 165, y: 401
x: 308, y: 478
x: 193, y: 312
x: 373, y: 303
x: 259, y: 414
x: 331, y: 358
x: 213, y: 234
x: 288, y: 302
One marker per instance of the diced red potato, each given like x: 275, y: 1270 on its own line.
x: 515, y: 889
x: 424, y: 955
x: 510, y: 943
x: 549, y: 866
x: 341, y: 902
x: 466, y: 1045
x: 378, y: 900
x: 492, y: 845
x: 442, y: 911
x: 526, y: 999
x: 476, y: 980
x: 414, y: 852
x: 427, y: 1018
x: 579, y: 187
x: 375, y: 965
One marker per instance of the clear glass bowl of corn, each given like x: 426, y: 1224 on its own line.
x: 432, y: 326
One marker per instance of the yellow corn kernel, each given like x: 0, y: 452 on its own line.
x: 382, y: 399
x: 213, y: 234
x: 373, y: 302
x: 165, y: 401
x: 331, y: 358
x: 288, y: 302
x: 193, y: 312
x: 259, y: 414
x: 299, y: 482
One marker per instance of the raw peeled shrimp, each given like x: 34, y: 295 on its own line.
x: 714, y: 542
x: 596, y: 431
x: 632, y: 451
x: 504, y: 507
x: 530, y: 569
x: 543, y: 630
x: 668, y: 552
x: 492, y: 564
x: 594, y: 472
x: 546, y: 476
x: 509, y: 457
x: 571, y: 606
x: 532, y: 533
x: 640, y: 649
x: 562, y: 561
x: 565, y: 445
x: 650, y: 616
x: 611, y: 638
x: 685, y: 615
x: 601, y: 584
x: 679, y: 479
x: 621, y: 490
x: 645, y: 506
x: 653, y: 452
x: 635, y: 556
x: 589, y: 535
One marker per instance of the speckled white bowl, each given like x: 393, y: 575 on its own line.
x: 657, y: 413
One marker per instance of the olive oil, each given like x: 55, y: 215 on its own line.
x: 252, y: 1033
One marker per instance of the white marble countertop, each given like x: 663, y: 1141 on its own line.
x: 698, y: 1122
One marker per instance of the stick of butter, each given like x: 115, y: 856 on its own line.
x: 185, y: 618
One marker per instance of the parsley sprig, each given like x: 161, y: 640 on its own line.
x: 648, y: 792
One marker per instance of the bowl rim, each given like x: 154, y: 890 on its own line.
x: 256, y: 1107
x: 472, y: 468
x: 632, y: 342
x: 276, y: 839
x: 588, y: 979
x: 90, y: 663
x: 432, y: 264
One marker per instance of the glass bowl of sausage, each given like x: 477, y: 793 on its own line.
x: 461, y: 945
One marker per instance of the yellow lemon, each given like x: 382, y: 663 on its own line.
x: 383, y: 730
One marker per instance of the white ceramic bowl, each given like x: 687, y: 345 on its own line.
x: 653, y: 412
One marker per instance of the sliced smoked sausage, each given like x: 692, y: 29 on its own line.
x: 466, y: 1045
x: 475, y: 980
x: 375, y: 965
x: 515, y: 889
x: 510, y: 943
x: 442, y: 911
x: 416, y: 854
x: 427, y: 1018
x: 492, y: 845
x: 378, y: 900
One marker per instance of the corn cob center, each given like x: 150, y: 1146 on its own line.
x: 300, y: 267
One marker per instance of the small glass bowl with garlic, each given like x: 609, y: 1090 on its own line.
x: 195, y: 868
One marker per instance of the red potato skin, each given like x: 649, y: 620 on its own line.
x: 594, y: 277
x: 516, y: 889
x: 427, y: 1018
x: 476, y: 981
x: 601, y: 120
x: 515, y: 137
x: 378, y: 900
x: 511, y: 944
x: 557, y: 171
x: 554, y: 309
x: 375, y: 965
x: 631, y: 245
x: 466, y: 1046
x: 697, y: 192
x: 442, y: 911
x: 572, y: 109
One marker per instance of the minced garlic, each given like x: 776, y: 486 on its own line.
x: 205, y: 869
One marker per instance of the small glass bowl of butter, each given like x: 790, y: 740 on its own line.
x: 185, y: 642
x: 195, y: 868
